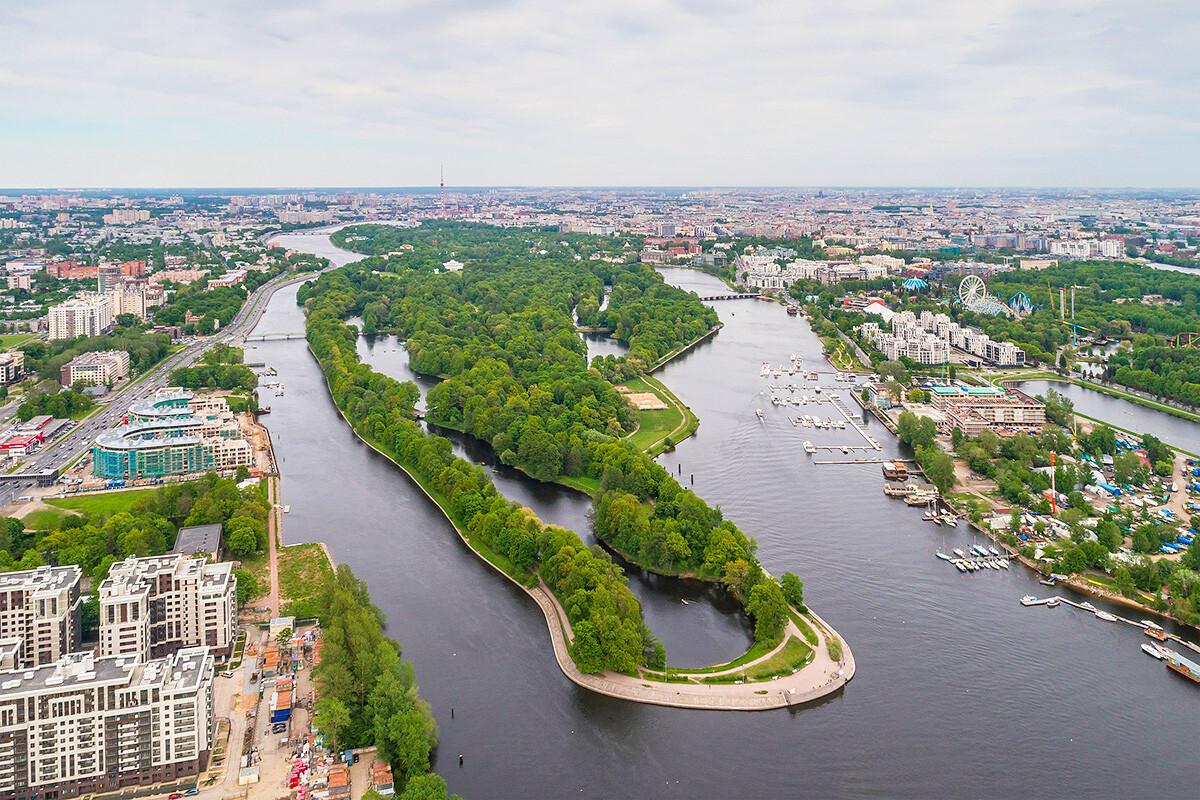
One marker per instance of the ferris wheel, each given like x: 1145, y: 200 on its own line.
x: 971, y: 290
x: 973, y: 294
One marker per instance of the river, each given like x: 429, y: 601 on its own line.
x: 960, y: 691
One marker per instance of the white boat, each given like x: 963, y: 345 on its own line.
x: 1107, y: 617
x: 1152, y: 651
x: 1028, y: 600
x: 760, y: 415
x: 950, y: 520
x: 685, y: 602
x: 942, y: 556
x: 993, y: 550
x: 958, y: 552
x: 1088, y: 606
x: 286, y: 509
x: 808, y: 448
x: 1053, y: 602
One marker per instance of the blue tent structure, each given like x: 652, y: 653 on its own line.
x: 915, y: 284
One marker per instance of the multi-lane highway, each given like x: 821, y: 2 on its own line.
x: 69, y: 446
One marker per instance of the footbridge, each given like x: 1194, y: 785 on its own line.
x: 275, y: 337
x: 730, y: 296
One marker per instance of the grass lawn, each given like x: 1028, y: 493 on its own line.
x: 302, y: 571
x: 9, y: 340
x: 104, y: 504
x: 259, y: 565
x: 580, y: 483
x: 44, y: 519
x: 795, y: 653
x: 653, y: 426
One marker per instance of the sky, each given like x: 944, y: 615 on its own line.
x: 622, y: 92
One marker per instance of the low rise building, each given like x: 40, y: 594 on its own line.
x: 40, y: 614
x: 12, y: 366
x: 974, y: 408
x: 169, y: 434
x: 152, y: 607
x: 86, y: 724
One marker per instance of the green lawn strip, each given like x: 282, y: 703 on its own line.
x: 757, y: 650
x: 792, y: 656
x: 302, y: 571
x: 104, y: 504
x: 809, y: 634
x: 581, y: 483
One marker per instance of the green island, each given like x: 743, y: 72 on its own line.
x: 501, y: 336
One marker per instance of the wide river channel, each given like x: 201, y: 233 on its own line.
x: 960, y: 690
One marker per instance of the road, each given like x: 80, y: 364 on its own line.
x: 69, y: 446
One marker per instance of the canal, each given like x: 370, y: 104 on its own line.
x: 959, y: 690
x: 1122, y: 413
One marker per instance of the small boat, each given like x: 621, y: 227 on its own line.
x: 1107, y: 617
x: 950, y: 520
x: 961, y: 567
x: 1156, y: 633
x: 1087, y: 605
x: 808, y: 448
x: 1004, y: 563
x: 976, y: 548
x: 1046, y: 581
x: 993, y: 551
x: 1028, y: 600
x: 760, y: 415
x: 1152, y: 651
x: 942, y: 556
x: 792, y: 311
x: 1148, y: 624
x: 286, y: 509
x: 685, y: 602
x: 1053, y: 602
x: 958, y: 552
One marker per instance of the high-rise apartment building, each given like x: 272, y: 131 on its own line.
x: 88, y: 314
x: 87, y: 724
x: 40, y: 615
x: 151, y: 607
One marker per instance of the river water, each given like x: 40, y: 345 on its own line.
x: 960, y: 690
x: 1122, y: 413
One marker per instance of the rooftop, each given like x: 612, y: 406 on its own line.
x: 198, y: 539
x: 182, y: 670
x: 42, y: 578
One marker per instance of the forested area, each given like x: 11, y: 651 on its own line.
x: 367, y: 695
x: 64, y: 404
x: 47, y: 358
x: 1169, y: 372
x: 95, y: 541
x: 215, y: 376
x: 501, y: 335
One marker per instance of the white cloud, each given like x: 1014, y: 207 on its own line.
x: 623, y: 92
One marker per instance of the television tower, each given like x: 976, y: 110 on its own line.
x: 442, y: 201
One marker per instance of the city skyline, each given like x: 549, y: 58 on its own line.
x: 663, y: 95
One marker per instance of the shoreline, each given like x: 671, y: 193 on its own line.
x: 643, y: 690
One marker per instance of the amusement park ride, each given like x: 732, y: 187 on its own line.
x: 973, y: 294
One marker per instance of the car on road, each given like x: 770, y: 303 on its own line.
x: 279, y: 727
x: 191, y: 791
x: 174, y: 795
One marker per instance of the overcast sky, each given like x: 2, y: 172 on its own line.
x: 621, y: 92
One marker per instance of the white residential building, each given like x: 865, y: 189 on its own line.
x: 88, y: 314
x: 40, y: 614
x: 151, y: 607
x: 86, y: 724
